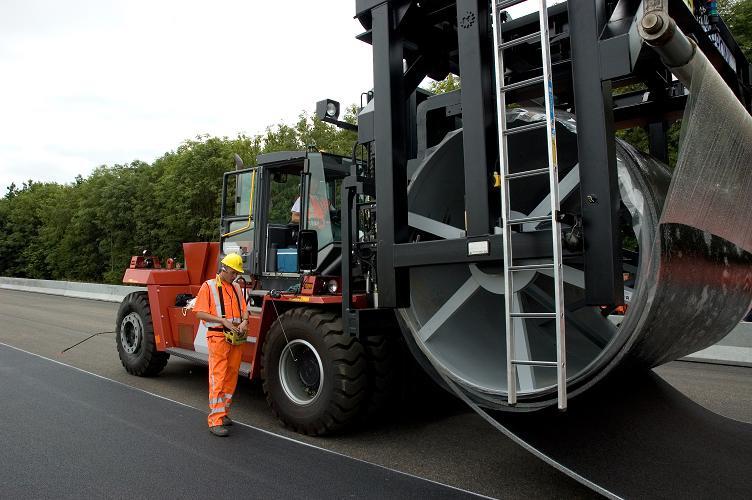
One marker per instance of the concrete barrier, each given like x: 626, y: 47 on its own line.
x: 93, y: 291
x: 734, y: 349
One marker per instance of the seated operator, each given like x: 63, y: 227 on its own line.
x: 295, y: 212
x: 318, y: 207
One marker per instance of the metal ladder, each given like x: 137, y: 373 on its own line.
x: 507, y: 221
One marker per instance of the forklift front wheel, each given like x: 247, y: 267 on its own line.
x: 315, y: 375
x: 134, y: 336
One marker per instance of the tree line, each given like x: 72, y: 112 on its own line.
x: 89, y: 229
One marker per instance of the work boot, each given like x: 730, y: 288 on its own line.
x: 219, y: 430
x: 226, y: 421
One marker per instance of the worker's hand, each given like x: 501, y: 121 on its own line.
x: 228, y: 325
x: 243, y: 327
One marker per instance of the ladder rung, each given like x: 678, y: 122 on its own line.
x: 528, y: 173
x: 505, y: 4
x: 520, y: 40
x: 526, y: 220
x: 531, y: 267
x: 533, y: 315
x: 523, y: 83
x: 534, y: 363
x: 525, y: 128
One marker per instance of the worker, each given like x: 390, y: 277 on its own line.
x: 295, y: 212
x: 224, y: 314
x: 318, y: 207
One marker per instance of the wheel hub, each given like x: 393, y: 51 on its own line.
x: 308, y: 370
x: 301, y: 372
x: 131, y: 333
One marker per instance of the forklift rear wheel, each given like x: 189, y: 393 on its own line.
x: 134, y: 336
x: 315, y: 376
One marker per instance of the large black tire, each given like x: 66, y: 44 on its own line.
x: 315, y: 376
x: 385, y: 355
x: 134, y: 337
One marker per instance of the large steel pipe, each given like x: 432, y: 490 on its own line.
x: 660, y: 31
x: 689, y: 287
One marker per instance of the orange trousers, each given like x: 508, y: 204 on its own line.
x: 224, y: 363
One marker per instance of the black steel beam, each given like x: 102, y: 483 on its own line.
x: 536, y: 245
x: 597, y: 157
x: 657, y: 140
x: 349, y: 218
x: 478, y: 109
x: 390, y: 118
x: 643, y: 113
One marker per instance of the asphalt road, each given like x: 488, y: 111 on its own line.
x: 95, y: 438
x: 445, y: 443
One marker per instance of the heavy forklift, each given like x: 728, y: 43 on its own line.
x: 316, y: 377
x: 482, y: 229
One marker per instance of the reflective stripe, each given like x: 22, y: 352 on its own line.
x: 228, y: 396
x: 217, y: 410
x: 216, y: 401
x: 217, y: 309
x: 215, y: 296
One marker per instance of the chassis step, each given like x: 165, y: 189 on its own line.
x: 201, y: 358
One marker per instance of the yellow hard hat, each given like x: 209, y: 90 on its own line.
x: 233, y: 261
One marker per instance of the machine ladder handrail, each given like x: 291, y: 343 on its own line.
x: 510, y: 268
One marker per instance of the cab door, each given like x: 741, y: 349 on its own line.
x: 239, y: 207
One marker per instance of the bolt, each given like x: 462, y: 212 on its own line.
x: 652, y: 23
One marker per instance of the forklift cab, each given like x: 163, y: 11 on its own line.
x: 256, y: 214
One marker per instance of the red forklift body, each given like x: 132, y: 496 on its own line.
x: 176, y: 327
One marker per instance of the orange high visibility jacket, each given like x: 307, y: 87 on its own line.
x: 207, y: 301
x: 318, y: 208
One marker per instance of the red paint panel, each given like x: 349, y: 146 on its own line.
x: 359, y: 300
x: 136, y: 276
x: 169, y: 277
x: 155, y: 277
x: 162, y: 304
x: 196, y: 255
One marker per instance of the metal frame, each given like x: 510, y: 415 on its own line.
x: 390, y: 117
x: 595, y: 51
x: 595, y: 142
x: 475, y: 56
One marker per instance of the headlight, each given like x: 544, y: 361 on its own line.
x: 331, y: 110
x: 332, y: 286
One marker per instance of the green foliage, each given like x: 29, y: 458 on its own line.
x: 89, y: 229
x: 737, y: 14
x: 448, y: 84
x: 23, y: 213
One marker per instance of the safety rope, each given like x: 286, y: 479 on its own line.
x: 292, y: 353
x: 84, y: 340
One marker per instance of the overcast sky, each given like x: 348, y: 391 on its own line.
x: 86, y: 83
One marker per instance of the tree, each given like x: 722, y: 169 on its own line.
x: 448, y: 84
x: 737, y: 14
x: 188, y: 190
x: 22, y: 249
